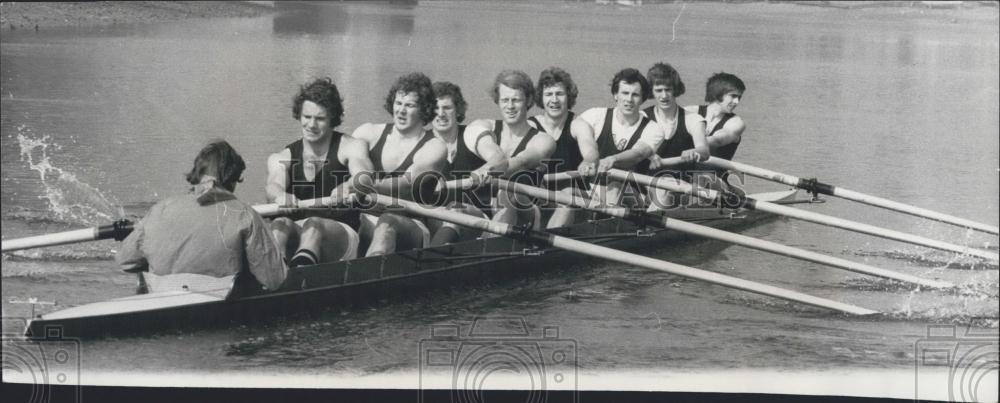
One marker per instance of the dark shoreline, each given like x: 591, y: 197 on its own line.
x: 15, y: 16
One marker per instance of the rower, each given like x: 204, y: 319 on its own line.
x: 724, y: 129
x: 514, y: 93
x: 317, y: 165
x: 469, y: 154
x: 619, y: 137
x: 402, y: 153
x: 205, y: 240
x: 556, y: 96
x: 683, y: 131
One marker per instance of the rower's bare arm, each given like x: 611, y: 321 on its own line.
x: 484, y: 147
x: 628, y: 158
x: 539, y: 147
x: 584, y: 134
x: 354, y: 154
x: 730, y: 133
x: 696, y: 127
x: 278, y: 178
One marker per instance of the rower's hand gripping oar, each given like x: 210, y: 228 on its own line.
x: 734, y: 200
x: 602, y: 252
x: 816, y: 187
x: 656, y: 220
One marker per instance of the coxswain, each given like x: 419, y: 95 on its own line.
x: 206, y: 240
x: 724, y: 129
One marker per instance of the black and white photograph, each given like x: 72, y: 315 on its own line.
x: 475, y: 200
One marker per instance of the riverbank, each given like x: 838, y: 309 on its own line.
x: 40, y: 16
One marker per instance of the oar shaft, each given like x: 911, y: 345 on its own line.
x: 117, y: 230
x: 713, y: 233
x: 121, y: 229
x: 851, y: 195
x: 619, y: 256
x: 62, y: 238
x: 673, y: 185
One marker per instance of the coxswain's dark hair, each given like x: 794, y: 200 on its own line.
x: 447, y: 89
x: 553, y: 76
x: 421, y: 85
x: 665, y: 74
x: 218, y: 159
x: 324, y: 93
x: 516, y: 80
x: 630, y: 76
x: 721, y: 84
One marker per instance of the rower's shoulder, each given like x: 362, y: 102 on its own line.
x: 593, y: 115
x: 366, y: 131
x: 479, y: 125
x: 284, y: 154
x: 691, y: 109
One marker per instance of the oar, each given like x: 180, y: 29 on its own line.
x: 572, y: 245
x: 656, y: 220
x: 818, y: 187
x: 674, y: 185
x: 118, y: 230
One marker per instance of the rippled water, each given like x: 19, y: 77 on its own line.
x: 899, y: 102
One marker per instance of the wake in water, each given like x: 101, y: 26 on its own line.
x: 934, y: 259
x: 69, y: 199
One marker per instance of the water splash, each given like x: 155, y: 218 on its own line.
x: 69, y: 199
x: 933, y: 259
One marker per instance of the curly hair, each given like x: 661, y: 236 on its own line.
x: 515, y: 79
x: 218, y: 159
x: 552, y: 76
x: 324, y: 93
x: 447, y: 89
x: 720, y: 84
x: 630, y: 76
x: 665, y: 74
x: 421, y: 85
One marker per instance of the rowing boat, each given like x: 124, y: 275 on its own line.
x: 339, y: 284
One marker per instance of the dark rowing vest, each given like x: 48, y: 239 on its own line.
x: 529, y: 177
x: 606, y: 147
x: 681, y: 140
x: 465, y: 161
x: 606, y: 140
x: 375, y: 154
x: 566, y: 156
x: 324, y: 181
x: 727, y: 151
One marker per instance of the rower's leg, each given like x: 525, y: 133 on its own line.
x: 563, y: 215
x: 338, y: 241
x: 396, y: 233
x: 286, y: 232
